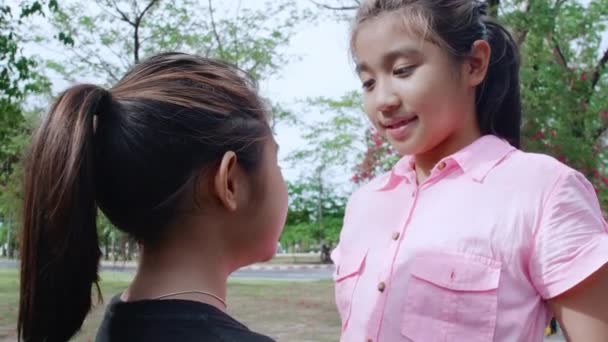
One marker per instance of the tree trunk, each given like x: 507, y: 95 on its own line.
x: 10, y: 245
x: 131, y: 247
x: 106, y: 246
x: 136, y: 44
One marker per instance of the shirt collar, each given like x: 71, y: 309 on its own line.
x: 476, y: 160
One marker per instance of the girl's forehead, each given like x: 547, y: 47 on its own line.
x: 407, y: 22
x: 394, y: 28
x: 379, y: 37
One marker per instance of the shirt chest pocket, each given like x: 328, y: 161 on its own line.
x: 451, y: 297
x: 346, y: 277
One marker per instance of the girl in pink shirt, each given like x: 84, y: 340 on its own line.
x: 467, y: 238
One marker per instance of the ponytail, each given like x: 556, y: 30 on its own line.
x: 498, y: 96
x: 59, y: 248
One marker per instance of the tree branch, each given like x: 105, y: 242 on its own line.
x: 104, y: 66
x: 113, y: 15
x: 135, y: 8
x: 598, y: 70
x: 215, y: 33
x: 595, y: 78
x: 338, y: 8
x: 493, y: 8
x: 559, y: 54
x: 136, y: 42
x: 557, y: 50
x: 122, y: 14
x: 521, y: 36
x: 141, y: 15
x: 252, y: 69
x: 235, y: 37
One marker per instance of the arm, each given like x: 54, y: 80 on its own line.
x: 583, y: 310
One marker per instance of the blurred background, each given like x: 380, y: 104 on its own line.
x: 298, y: 52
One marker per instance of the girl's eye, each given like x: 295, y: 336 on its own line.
x: 403, y: 71
x: 368, y: 84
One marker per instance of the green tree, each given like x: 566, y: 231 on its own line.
x: 112, y: 35
x: 564, y: 82
x: 333, y: 142
x: 312, y: 220
x: 332, y: 146
x: 19, y: 78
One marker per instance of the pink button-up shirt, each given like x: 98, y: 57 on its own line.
x: 471, y: 254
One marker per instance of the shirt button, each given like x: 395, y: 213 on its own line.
x: 441, y: 166
x: 381, y: 286
x: 396, y: 236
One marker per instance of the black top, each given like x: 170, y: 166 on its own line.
x: 171, y: 320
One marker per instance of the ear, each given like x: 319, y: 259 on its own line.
x: 477, y: 63
x: 225, y: 181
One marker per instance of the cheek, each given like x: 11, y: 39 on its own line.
x: 369, y: 106
x: 419, y: 92
x: 282, y: 202
x: 438, y: 104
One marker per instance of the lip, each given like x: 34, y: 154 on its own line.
x: 400, y: 128
x: 397, y: 122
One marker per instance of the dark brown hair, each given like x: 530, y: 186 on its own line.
x: 131, y: 150
x: 455, y: 25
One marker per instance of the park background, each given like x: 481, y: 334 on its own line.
x: 298, y: 52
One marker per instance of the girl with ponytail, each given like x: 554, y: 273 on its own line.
x: 178, y: 154
x: 467, y: 238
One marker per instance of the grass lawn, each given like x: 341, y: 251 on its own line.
x: 287, y: 311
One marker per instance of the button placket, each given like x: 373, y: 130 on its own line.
x: 384, y: 278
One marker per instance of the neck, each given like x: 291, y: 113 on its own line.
x: 425, y: 162
x: 185, y: 266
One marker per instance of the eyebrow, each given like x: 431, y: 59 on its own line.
x: 390, y: 56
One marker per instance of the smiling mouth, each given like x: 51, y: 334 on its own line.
x: 399, y: 123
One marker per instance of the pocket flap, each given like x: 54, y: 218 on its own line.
x: 350, y: 264
x: 457, y: 272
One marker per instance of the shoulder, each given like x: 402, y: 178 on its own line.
x: 538, y: 163
x: 229, y: 329
x: 528, y: 172
x: 369, y: 189
x: 362, y: 210
x: 234, y: 333
x: 562, y: 192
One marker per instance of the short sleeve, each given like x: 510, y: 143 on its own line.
x: 345, y: 239
x: 335, y: 253
x: 571, y: 240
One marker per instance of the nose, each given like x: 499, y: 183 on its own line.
x: 387, y: 100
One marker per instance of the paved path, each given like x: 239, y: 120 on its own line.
x: 556, y: 338
x: 298, y: 272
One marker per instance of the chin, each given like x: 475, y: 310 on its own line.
x: 405, y: 148
x: 268, y: 258
x: 408, y: 147
x: 269, y: 252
